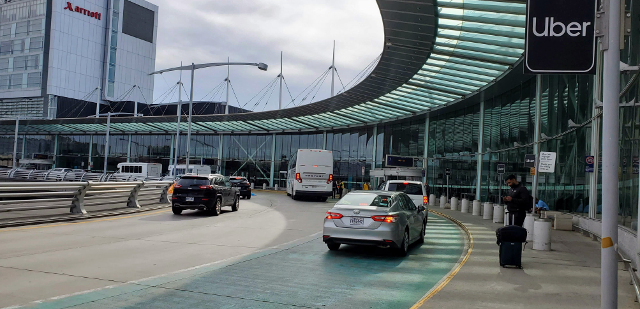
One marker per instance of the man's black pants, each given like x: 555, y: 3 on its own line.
x: 517, y: 217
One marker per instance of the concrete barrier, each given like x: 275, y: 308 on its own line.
x: 432, y: 200
x: 528, y: 224
x: 476, y: 208
x: 465, y: 206
x: 454, y: 203
x: 487, y: 211
x: 264, y: 186
x: 498, y: 213
x: 443, y: 202
x: 542, y: 234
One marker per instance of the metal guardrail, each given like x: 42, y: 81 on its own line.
x: 77, y: 195
x: 51, y: 175
x: 632, y: 273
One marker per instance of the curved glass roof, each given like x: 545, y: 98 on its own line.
x: 436, y: 53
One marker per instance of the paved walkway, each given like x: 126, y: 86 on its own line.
x: 566, y: 277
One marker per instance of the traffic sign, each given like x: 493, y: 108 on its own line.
x: 447, y: 172
x: 560, y: 37
x: 529, y: 160
x: 589, y: 163
x: 501, y: 169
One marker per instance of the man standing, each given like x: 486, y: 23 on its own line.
x: 365, y: 186
x: 518, y: 201
x: 335, y: 188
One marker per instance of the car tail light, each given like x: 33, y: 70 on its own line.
x: 206, y: 187
x: 177, y: 186
x: 333, y: 215
x: 298, y: 178
x: 386, y: 219
x: 330, y: 179
x: 425, y: 199
x: 174, y: 198
x: 205, y: 199
x: 405, y: 183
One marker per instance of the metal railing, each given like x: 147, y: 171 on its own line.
x: 632, y: 273
x: 51, y: 175
x: 78, y: 195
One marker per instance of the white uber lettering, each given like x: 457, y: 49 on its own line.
x: 556, y: 28
x: 574, y: 26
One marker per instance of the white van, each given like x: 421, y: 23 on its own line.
x: 139, y: 170
x: 414, y: 189
x: 310, y: 173
x: 193, y: 169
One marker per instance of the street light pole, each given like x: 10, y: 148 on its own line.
x: 281, y: 77
x: 193, y: 70
x: 333, y: 67
x: 106, y: 142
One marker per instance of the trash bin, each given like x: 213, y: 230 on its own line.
x: 454, y: 203
x: 465, y: 205
x: 542, y: 234
x: 498, y: 214
x: 487, y: 211
x: 476, y: 208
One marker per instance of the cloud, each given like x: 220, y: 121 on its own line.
x: 202, y: 31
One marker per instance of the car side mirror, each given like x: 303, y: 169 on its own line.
x: 421, y: 208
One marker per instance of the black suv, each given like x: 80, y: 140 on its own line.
x: 242, y: 184
x: 210, y: 193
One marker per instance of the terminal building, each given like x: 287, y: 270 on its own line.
x: 449, y: 91
x: 55, y: 52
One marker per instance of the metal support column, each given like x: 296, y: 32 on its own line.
x: 324, y: 140
x: 281, y: 77
x: 273, y: 159
x: 106, y: 143
x: 15, y: 144
x: 90, y: 162
x: 24, y: 144
x: 226, y: 103
x: 193, y: 70
x: 375, y: 151
x: 425, y: 160
x: 595, y: 140
x: 220, y: 153
x: 480, y: 150
x: 333, y: 68
x: 536, y: 136
x: 129, y: 150
x: 610, y: 158
x: 171, y: 154
x: 55, y: 150
x: 179, y: 116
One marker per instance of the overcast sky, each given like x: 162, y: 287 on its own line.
x: 203, y: 31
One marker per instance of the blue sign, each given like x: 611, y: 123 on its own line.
x: 589, y: 163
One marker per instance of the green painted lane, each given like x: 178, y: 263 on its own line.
x: 302, y: 274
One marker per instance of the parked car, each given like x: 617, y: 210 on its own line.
x: 377, y: 218
x: 204, y: 192
x: 415, y: 189
x: 243, y: 185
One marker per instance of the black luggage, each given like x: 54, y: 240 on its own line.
x: 510, y: 239
x: 511, y: 254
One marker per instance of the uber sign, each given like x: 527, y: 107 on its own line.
x: 560, y: 37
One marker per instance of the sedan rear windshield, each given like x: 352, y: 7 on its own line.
x: 366, y: 199
x: 408, y: 188
x: 193, y: 182
x: 235, y: 180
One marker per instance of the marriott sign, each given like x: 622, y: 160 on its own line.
x: 560, y: 37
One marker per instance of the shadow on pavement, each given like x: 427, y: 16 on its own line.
x: 186, y: 215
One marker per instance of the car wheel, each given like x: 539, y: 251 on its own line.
x: 249, y: 197
x: 323, y: 199
x: 422, y: 232
x: 333, y: 246
x: 404, y: 246
x: 217, y: 208
x: 176, y: 210
x: 294, y: 196
x: 236, y: 204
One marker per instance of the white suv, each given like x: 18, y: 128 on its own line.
x: 414, y: 189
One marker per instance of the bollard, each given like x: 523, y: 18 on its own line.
x: 528, y: 224
x: 264, y: 186
x: 275, y: 187
x: 443, y: 202
x: 498, y: 214
x: 253, y: 186
x: 465, y: 206
x: 454, y: 203
x: 487, y: 211
x: 476, y: 208
x: 432, y: 200
x: 542, y: 234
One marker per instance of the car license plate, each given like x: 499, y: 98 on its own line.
x: 357, y: 221
x: 189, y: 199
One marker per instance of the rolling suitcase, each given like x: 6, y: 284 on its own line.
x: 510, y: 239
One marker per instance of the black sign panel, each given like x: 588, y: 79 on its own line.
x: 448, y: 172
x: 529, y: 160
x: 560, y: 37
x: 501, y: 169
x: 398, y: 161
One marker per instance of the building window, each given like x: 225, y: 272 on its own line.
x: 36, y: 26
x: 4, y: 82
x: 34, y: 80
x: 5, y: 48
x: 22, y: 29
x: 19, y: 63
x: 33, y: 62
x: 4, y: 65
x: 36, y: 44
x: 5, y: 31
x: 18, y: 47
x: 16, y: 81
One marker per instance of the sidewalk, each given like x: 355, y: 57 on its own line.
x: 568, y: 276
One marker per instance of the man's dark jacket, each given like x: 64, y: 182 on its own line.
x: 521, y: 200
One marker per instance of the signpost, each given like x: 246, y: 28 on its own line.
x: 448, y: 173
x: 560, y: 37
x: 547, y: 162
x: 501, y: 169
x: 529, y: 160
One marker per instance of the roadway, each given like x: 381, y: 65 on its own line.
x: 269, y: 254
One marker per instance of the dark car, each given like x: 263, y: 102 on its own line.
x: 243, y: 185
x: 204, y: 192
